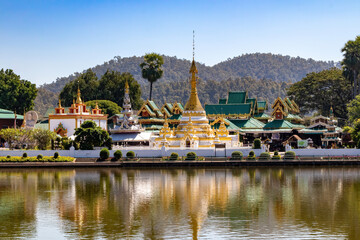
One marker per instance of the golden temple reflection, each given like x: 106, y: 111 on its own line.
x: 191, y: 203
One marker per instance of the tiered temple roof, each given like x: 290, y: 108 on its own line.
x: 237, y: 105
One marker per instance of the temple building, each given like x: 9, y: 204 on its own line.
x: 9, y: 119
x: 64, y: 123
x: 127, y: 130
x: 193, y: 130
x: 323, y: 131
x: 150, y: 116
x: 238, y: 106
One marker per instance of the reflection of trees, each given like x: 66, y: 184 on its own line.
x: 187, y: 203
x: 20, y: 192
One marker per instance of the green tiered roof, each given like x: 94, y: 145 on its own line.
x: 175, y: 117
x: 155, y: 108
x: 252, y: 101
x: 228, y: 109
x: 262, y: 116
x: 237, y: 97
x: 167, y: 112
x: 250, y: 123
x: 222, y: 100
x: 229, y: 125
x: 262, y: 105
x: 293, y: 116
x: 7, y: 114
x: 279, y: 124
x: 181, y: 106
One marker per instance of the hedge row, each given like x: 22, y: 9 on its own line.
x: 36, y: 159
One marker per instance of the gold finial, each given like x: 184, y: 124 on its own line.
x: 96, y: 106
x: 166, y: 124
x: 23, y: 125
x: 126, y: 87
x: 59, y: 103
x: 78, y: 99
x: 193, y: 44
x: 193, y: 103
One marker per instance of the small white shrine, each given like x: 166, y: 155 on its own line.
x: 64, y: 123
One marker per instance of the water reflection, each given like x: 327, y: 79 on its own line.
x: 316, y: 203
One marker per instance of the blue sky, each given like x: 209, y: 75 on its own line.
x: 43, y: 40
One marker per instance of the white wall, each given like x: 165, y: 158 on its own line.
x: 68, y: 124
x: 327, y: 152
x: 140, y: 152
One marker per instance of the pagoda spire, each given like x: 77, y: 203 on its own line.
x: 193, y: 103
x: 78, y: 99
x: 127, y: 91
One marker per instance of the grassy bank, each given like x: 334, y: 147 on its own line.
x: 36, y: 159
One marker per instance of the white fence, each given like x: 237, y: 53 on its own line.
x: 327, y: 152
x: 139, y: 152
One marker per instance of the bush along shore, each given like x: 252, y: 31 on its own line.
x: 39, y: 158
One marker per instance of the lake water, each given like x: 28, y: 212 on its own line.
x: 232, y: 203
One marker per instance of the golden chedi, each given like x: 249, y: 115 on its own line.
x: 194, y: 130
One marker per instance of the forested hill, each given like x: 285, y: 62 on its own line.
x: 246, y: 72
x: 257, y: 65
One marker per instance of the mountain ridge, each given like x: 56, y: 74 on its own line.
x: 238, y: 72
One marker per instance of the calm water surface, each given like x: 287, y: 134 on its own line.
x: 256, y: 203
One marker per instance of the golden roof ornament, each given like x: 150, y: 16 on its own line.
x: 23, y: 125
x: 59, y: 104
x: 78, y: 99
x: 193, y: 103
x: 126, y: 87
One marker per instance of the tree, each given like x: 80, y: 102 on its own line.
x: 9, y: 135
x: 43, y: 138
x: 16, y: 94
x: 108, y: 107
x: 353, y: 109
x: 88, y: 84
x: 151, y: 68
x: 355, y: 132
x: 89, y: 135
x: 112, y: 87
x: 351, y: 63
x: 321, y: 91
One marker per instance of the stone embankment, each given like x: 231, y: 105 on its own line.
x: 208, y: 162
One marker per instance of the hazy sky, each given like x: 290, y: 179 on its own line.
x: 43, y: 40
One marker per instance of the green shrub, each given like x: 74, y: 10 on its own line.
x: 190, y: 156
x: 24, y: 155
x: 174, y: 156
x: 56, y: 155
x: 289, y: 155
x: 130, y: 154
x: 237, y: 155
x: 264, y: 156
x: 117, y: 154
x: 251, y: 156
x: 39, y: 157
x: 276, y: 156
x: 257, y: 143
x: 104, y: 154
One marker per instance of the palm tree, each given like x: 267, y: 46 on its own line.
x: 151, y: 68
x: 351, y: 62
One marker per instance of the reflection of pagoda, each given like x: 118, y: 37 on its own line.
x: 126, y: 129
x: 194, y: 129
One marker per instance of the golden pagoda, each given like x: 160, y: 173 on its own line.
x: 194, y: 130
